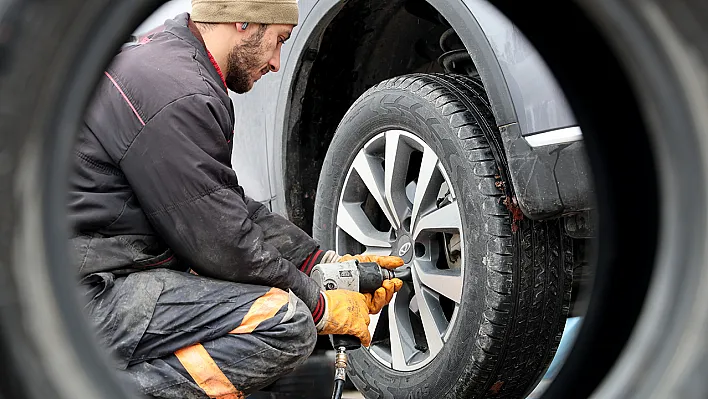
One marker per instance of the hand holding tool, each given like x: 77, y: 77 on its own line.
x: 383, y: 295
x: 377, y: 279
x: 346, y: 314
x: 353, y: 275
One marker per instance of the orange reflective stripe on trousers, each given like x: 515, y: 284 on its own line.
x: 262, y: 309
x: 200, y: 365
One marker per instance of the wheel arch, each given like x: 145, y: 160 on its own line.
x: 328, y: 67
x: 475, y: 40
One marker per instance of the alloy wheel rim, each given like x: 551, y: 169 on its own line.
x: 397, y: 199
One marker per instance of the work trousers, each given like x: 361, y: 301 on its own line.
x: 178, y: 335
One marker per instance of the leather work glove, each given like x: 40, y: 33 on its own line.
x: 382, y: 296
x: 346, y: 313
x: 387, y: 262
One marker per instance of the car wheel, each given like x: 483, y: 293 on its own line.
x: 410, y: 172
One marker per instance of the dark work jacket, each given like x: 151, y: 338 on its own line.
x: 153, y: 184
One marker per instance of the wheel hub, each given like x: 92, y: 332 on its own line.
x: 404, y: 248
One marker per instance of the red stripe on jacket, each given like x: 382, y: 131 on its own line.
x: 127, y: 100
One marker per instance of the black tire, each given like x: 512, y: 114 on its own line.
x: 514, y: 308
x: 44, y: 92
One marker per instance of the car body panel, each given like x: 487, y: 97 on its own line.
x: 538, y: 99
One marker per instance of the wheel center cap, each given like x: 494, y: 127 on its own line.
x: 403, y: 247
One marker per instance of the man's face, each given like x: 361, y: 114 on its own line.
x: 257, y: 54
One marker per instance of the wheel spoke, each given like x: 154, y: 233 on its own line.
x: 446, y: 218
x: 373, y: 323
x: 396, y: 168
x: 372, y: 174
x: 428, y: 185
x: 398, y: 357
x: 383, y: 251
x: 432, y: 316
x: 447, y: 283
x: 351, y: 219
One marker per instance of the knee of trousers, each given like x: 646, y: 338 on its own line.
x: 297, y: 328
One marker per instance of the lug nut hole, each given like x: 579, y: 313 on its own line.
x: 419, y: 250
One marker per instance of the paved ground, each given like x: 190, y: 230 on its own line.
x: 534, y: 395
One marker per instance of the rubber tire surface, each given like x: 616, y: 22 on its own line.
x: 517, y: 279
x: 52, y: 54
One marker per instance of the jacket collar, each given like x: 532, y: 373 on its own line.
x: 183, y: 27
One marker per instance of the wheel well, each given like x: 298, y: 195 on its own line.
x: 366, y: 43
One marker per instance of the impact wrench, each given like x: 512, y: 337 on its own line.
x: 352, y: 275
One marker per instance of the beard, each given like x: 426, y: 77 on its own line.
x: 242, y: 61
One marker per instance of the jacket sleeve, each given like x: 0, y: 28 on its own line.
x: 291, y: 241
x: 179, y: 169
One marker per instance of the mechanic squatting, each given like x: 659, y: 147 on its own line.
x: 196, y: 289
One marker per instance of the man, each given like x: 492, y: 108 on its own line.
x: 153, y: 196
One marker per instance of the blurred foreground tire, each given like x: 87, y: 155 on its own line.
x: 52, y: 54
x: 635, y: 73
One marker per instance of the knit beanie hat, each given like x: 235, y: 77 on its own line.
x: 255, y: 11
